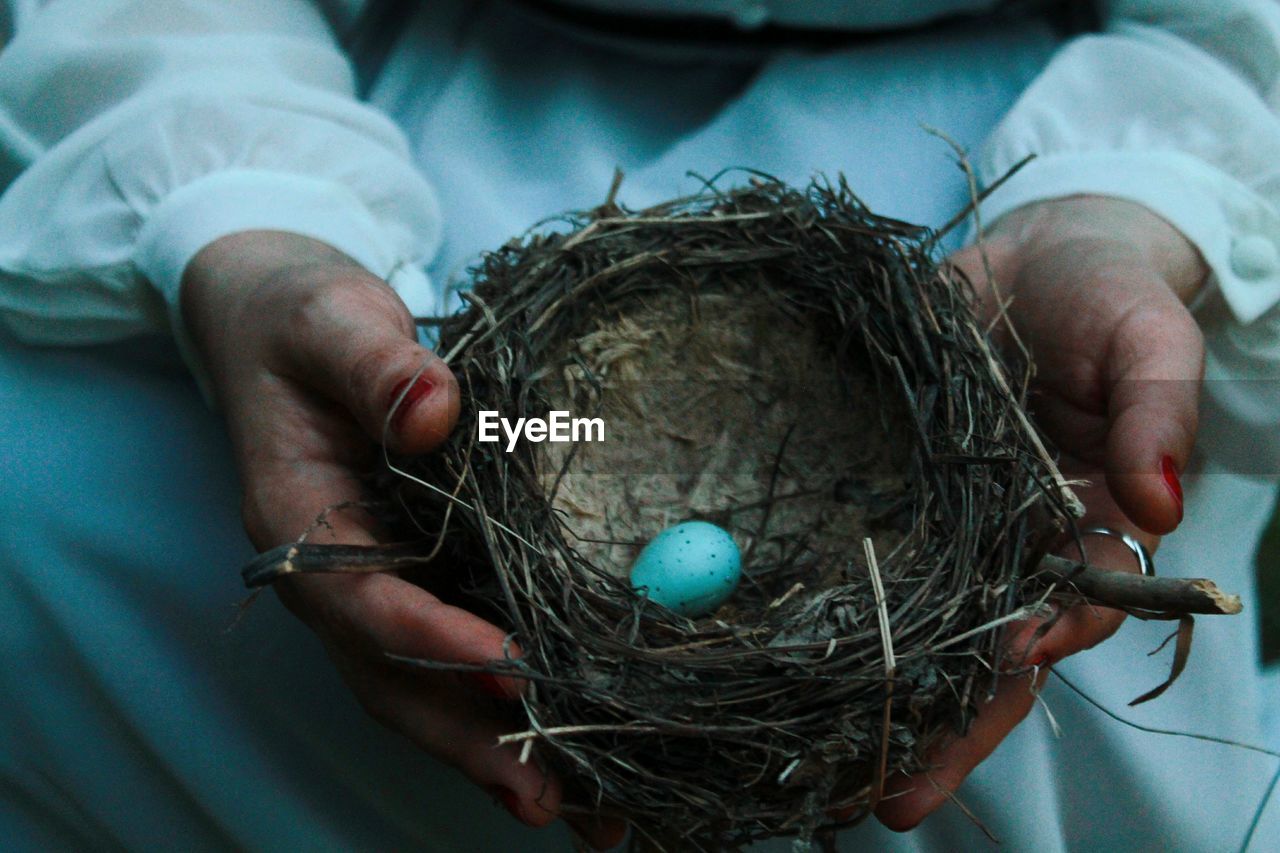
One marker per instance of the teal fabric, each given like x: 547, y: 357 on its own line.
x: 139, y: 712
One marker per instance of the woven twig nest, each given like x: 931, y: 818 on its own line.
x: 792, y: 367
x: 799, y: 371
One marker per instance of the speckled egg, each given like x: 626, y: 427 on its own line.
x: 691, y: 568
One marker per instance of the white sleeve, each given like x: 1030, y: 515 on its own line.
x: 135, y: 132
x: 1174, y: 106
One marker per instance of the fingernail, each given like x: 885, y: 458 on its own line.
x: 420, y: 388
x: 1171, y: 480
x: 508, y: 798
x: 488, y: 683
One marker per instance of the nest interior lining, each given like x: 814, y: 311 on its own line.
x: 727, y: 407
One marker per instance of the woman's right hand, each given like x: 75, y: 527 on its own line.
x: 308, y: 353
x: 1096, y: 287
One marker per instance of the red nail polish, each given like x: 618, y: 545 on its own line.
x: 420, y: 388
x: 1170, y: 474
x: 488, y: 683
x: 1040, y: 661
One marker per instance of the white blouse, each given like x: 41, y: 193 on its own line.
x: 135, y: 132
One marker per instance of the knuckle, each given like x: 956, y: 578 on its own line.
x: 319, y: 304
x: 370, y: 377
x: 337, y: 316
x: 1176, y: 322
x: 1164, y: 317
x: 337, y: 295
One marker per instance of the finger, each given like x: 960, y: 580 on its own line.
x: 1044, y: 642
x: 286, y: 484
x: 910, y: 799
x: 382, y: 614
x: 1154, y: 372
x: 365, y: 618
x: 392, y: 618
x: 389, y: 616
x: 451, y: 726
x: 354, y: 341
x: 438, y: 716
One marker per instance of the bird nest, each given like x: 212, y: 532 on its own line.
x: 802, y: 372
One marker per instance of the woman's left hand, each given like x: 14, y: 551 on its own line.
x: 314, y: 361
x: 1096, y: 289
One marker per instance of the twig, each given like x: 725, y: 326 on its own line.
x: 1123, y: 590
x: 890, y: 665
x: 302, y: 558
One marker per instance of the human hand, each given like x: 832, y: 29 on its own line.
x: 308, y: 354
x: 1096, y: 289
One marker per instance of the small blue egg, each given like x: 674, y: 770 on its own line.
x: 691, y: 568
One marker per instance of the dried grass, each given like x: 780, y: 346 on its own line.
x: 818, y: 680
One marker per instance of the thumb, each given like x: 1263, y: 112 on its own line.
x: 358, y: 346
x: 1154, y: 369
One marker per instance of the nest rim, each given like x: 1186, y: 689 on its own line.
x: 879, y: 279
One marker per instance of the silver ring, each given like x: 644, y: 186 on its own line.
x: 1145, y: 563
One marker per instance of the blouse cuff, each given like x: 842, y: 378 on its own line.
x: 232, y: 201
x: 1234, y: 229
